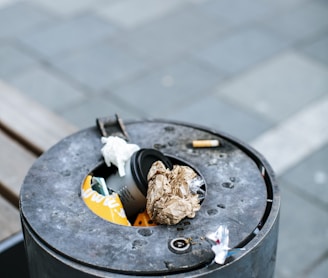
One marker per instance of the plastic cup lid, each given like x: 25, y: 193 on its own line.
x: 141, y: 162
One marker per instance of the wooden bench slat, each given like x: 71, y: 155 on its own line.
x: 26, y: 130
x: 29, y: 122
x: 9, y: 219
x: 14, y: 164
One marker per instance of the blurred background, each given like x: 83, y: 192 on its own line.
x: 256, y: 69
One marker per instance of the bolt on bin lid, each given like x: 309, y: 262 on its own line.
x: 53, y: 210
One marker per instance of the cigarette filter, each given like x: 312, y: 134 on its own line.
x: 205, y: 143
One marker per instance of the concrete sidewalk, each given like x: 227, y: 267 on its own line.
x: 255, y: 69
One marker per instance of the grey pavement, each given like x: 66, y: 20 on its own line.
x: 252, y: 68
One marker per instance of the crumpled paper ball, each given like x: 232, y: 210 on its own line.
x: 169, y: 198
x: 117, y: 151
x: 221, y: 238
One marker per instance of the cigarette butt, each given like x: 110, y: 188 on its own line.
x: 205, y: 143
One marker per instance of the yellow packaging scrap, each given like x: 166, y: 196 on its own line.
x: 109, y: 207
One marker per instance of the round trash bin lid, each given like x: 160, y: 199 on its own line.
x: 51, y: 205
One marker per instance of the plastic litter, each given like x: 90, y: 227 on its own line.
x: 221, y: 247
x: 221, y: 238
x: 143, y: 220
x: 195, y: 187
x: 98, y: 184
x: 108, y: 207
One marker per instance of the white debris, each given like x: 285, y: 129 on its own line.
x: 117, y: 151
x: 221, y: 248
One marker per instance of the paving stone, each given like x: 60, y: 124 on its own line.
x: 4, y: 3
x: 303, y: 234
x: 280, y: 87
x: 214, y: 113
x: 301, y: 22
x: 295, y: 138
x: 318, y: 49
x: 21, y: 17
x: 311, y: 175
x: 321, y: 270
x: 100, y: 66
x: 241, y: 50
x: 130, y: 13
x: 68, y: 35
x: 237, y: 12
x: 68, y: 7
x: 285, y: 4
x: 47, y: 88
x: 13, y: 60
x: 167, y: 89
x: 177, y: 33
x: 84, y: 114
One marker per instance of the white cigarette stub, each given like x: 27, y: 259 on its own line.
x: 205, y: 143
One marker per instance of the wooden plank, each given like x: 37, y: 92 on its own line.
x: 14, y: 164
x: 30, y: 123
x: 9, y: 219
x: 26, y: 130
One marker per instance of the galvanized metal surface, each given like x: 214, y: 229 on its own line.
x: 240, y: 193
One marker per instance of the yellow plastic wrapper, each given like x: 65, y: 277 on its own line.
x: 109, y: 207
x: 143, y: 220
